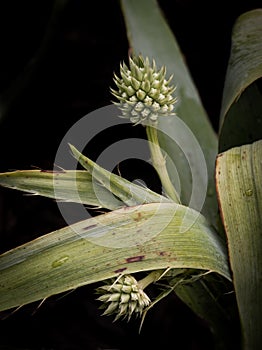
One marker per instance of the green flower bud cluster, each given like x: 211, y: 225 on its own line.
x: 143, y: 93
x: 124, y: 298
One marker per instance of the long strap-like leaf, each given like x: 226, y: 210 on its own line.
x: 129, y: 193
x: 81, y: 186
x: 239, y: 173
x: 151, y: 236
x: 67, y: 185
x: 149, y: 35
x: 240, y: 119
x: 187, y: 139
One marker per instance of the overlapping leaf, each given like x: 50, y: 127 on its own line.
x: 131, y: 239
x: 66, y: 185
x: 81, y: 186
x: 149, y: 35
x: 239, y: 172
x: 240, y: 118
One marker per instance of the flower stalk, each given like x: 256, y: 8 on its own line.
x: 159, y: 163
x: 145, y: 95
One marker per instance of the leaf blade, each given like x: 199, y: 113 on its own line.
x: 104, y: 246
x: 238, y: 174
x: 240, y: 116
x: 130, y: 194
x: 67, y: 185
x: 149, y: 35
x: 189, y: 141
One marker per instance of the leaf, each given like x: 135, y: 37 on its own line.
x: 189, y: 141
x: 240, y: 117
x: 67, y: 185
x: 238, y: 175
x: 126, y: 191
x: 182, y: 281
x: 222, y: 312
x: 128, y: 240
x: 92, y: 188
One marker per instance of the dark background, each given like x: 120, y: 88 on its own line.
x: 38, y: 104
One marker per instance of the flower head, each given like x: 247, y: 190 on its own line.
x: 124, y: 298
x: 143, y: 92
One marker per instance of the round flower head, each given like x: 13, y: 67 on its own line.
x: 143, y: 92
x: 124, y: 298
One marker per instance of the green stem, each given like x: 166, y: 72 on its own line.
x: 151, y: 278
x: 159, y: 163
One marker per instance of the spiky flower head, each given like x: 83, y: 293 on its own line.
x: 124, y: 298
x: 143, y: 92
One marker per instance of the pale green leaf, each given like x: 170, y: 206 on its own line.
x: 91, y: 188
x: 150, y: 35
x: 126, y: 191
x: 128, y: 240
x: 240, y: 118
x: 189, y: 140
x: 67, y: 185
x: 238, y: 174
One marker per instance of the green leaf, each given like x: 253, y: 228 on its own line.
x: 128, y: 240
x: 91, y: 188
x: 149, y: 35
x: 222, y: 312
x: 238, y: 175
x: 126, y: 191
x: 240, y: 118
x: 67, y: 185
x: 189, y: 140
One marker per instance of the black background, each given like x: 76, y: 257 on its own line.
x: 71, y: 79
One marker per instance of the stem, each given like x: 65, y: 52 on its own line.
x: 151, y: 278
x: 159, y: 163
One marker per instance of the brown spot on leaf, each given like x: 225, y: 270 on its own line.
x: 138, y: 217
x: 120, y: 270
x: 89, y: 227
x: 135, y: 258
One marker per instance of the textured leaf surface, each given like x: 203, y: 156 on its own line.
x: 131, y: 239
x: 239, y: 173
x: 91, y: 188
x: 241, y: 110
x: 67, y: 185
x: 149, y: 35
x: 189, y: 140
x: 126, y: 191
